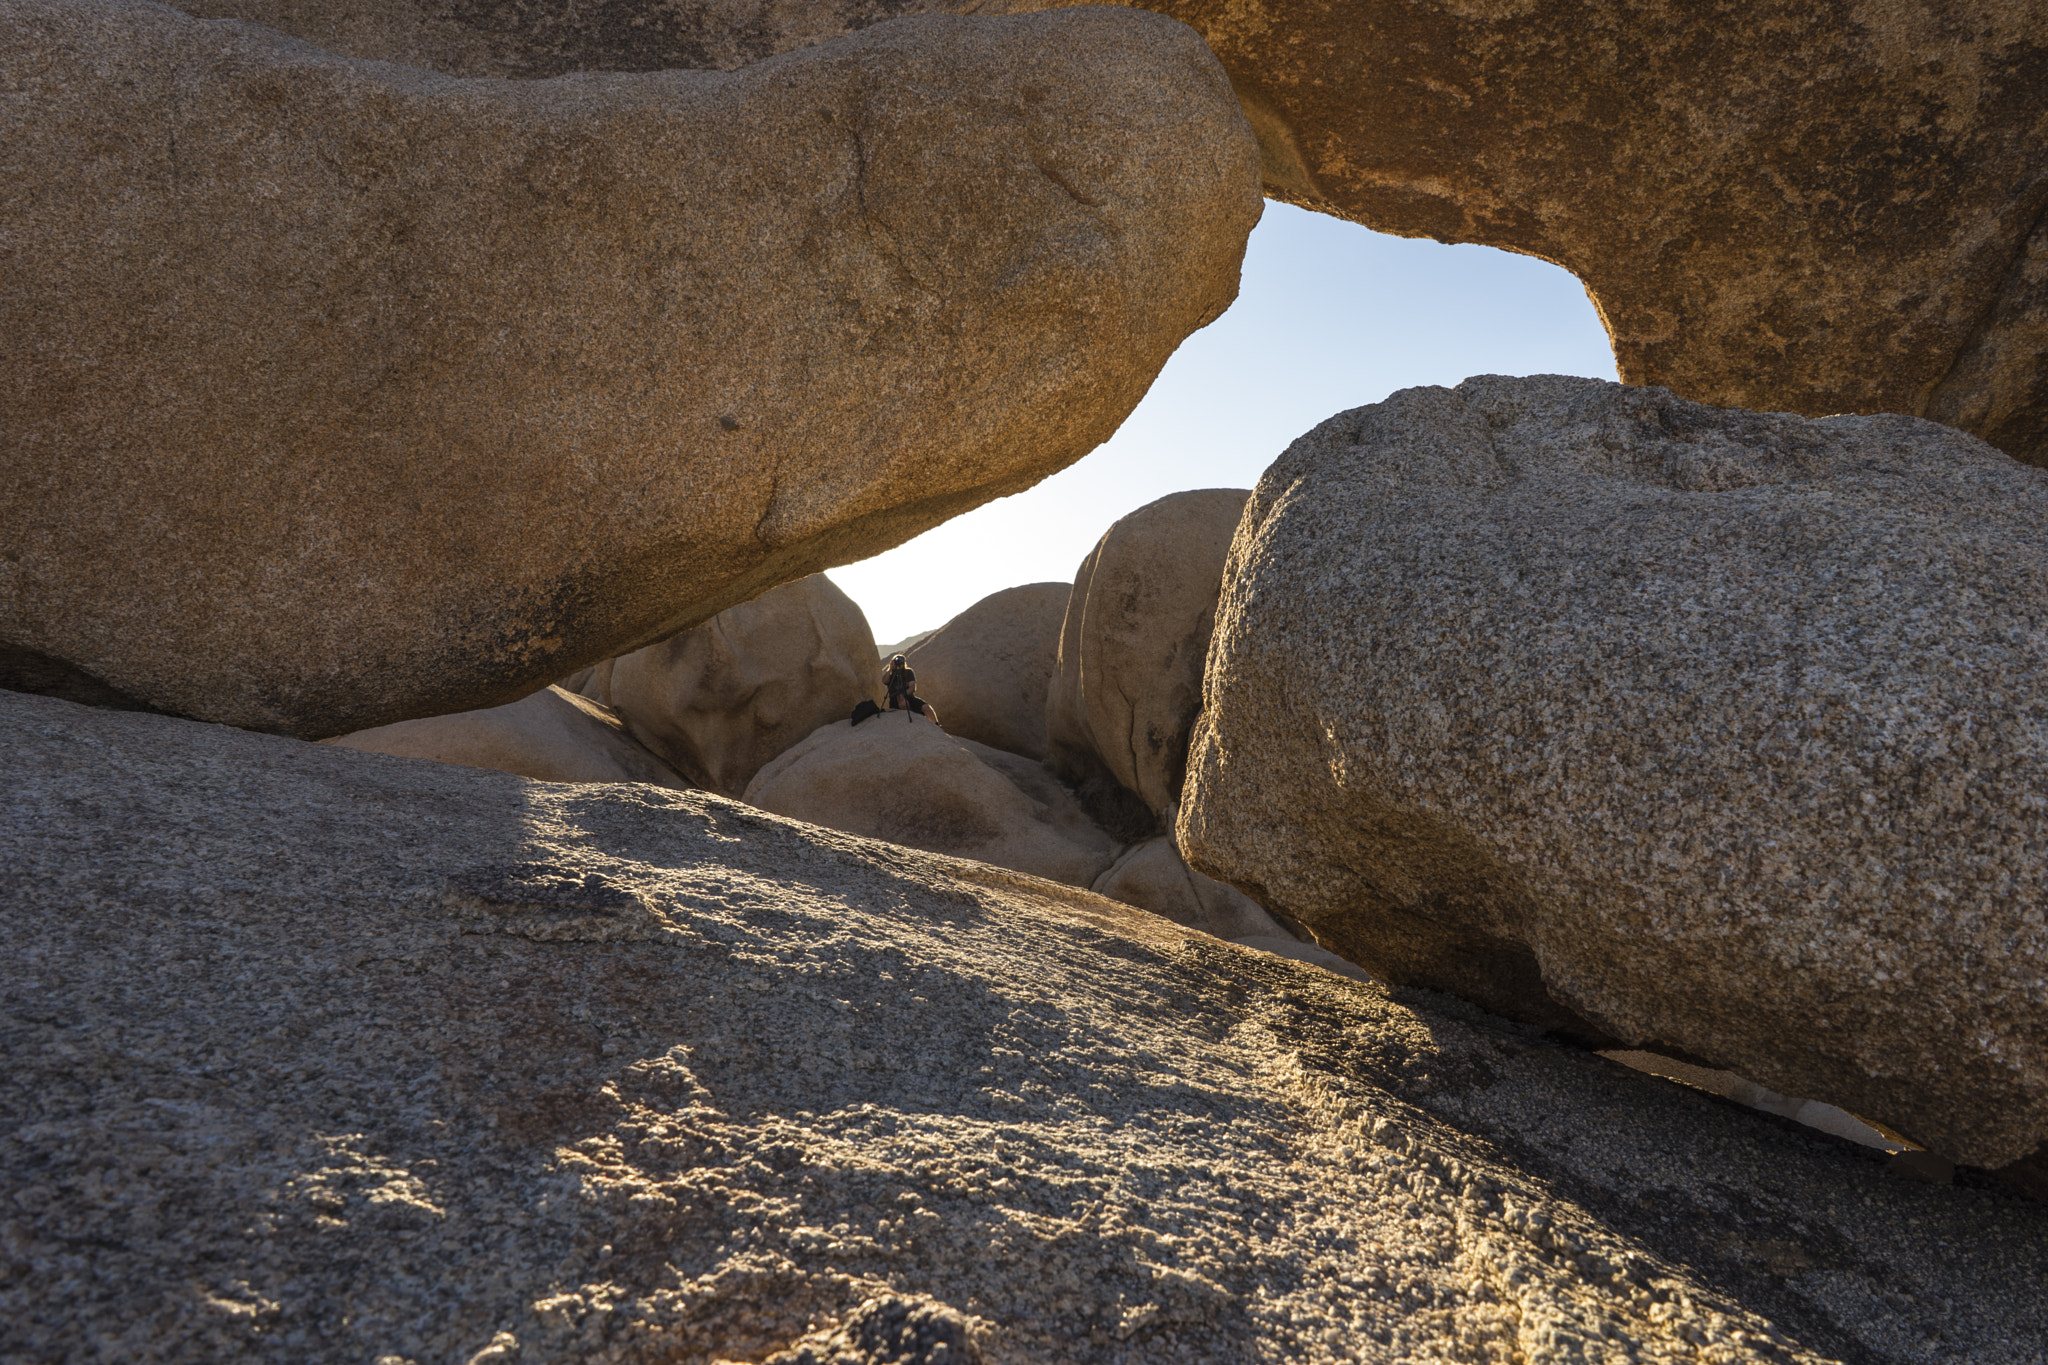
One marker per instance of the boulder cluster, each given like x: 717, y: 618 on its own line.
x: 1067, y: 710
x: 1554, y: 873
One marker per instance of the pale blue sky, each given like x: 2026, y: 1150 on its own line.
x: 1330, y: 316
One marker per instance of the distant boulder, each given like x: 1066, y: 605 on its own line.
x: 904, y: 645
x: 720, y: 700
x: 552, y: 736
x: 988, y: 669
x: 901, y: 778
x: 1127, y: 681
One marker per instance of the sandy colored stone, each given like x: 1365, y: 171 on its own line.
x: 900, y: 778
x: 341, y: 393
x: 429, y: 1062
x: 1153, y: 876
x: 1720, y: 729
x: 1832, y: 207
x: 721, y: 699
x: 553, y: 736
x: 1128, y: 680
x: 1287, y: 946
x: 986, y: 671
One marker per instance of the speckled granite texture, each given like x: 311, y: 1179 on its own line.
x: 338, y: 393
x: 1723, y: 729
x: 322, y: 1056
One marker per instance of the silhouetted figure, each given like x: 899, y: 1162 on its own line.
x: 900, y: 681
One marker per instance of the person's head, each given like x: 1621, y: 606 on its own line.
x: 896, y: 661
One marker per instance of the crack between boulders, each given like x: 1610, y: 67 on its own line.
x: 2037, y: 218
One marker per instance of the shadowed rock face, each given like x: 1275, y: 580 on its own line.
x: 1128, y: 679
x: 721, y: 699
x: 1830, y: 206
x: 1726, y: 730
x: 338, y: 393
x: 623, y: 1074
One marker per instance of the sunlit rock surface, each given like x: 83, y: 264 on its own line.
x: 552, y: 736
x: 1721, y: 730
x: 324, y: 1056
x: 900, y: 778
x: 986, y: 671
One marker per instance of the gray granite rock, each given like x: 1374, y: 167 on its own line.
x: 1723, y: 731
x: 317, y: 1056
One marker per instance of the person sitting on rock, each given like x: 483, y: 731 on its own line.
x: 900, y: 679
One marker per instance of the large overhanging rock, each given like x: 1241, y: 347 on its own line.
x: 1721, y: 729
x: 1820, y: 208
x: 339, y: 393
x: 316, y: 1056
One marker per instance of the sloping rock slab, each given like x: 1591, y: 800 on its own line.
x: 1723, y: 729
x: 339, y: 393
x: 320, y: 1056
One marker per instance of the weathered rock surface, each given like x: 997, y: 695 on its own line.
x: 721, y: 699
x: 1153, y: 876
x: 339, y: 393
x: 1128, y: 680
x: 986, y: 671
x: 428, y: 1062
x: 553, y: 735
x: 1824, y: 208
x: 1725, y: 730
x: 900, y: 778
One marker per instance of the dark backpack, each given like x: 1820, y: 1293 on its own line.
x: 865, y: 709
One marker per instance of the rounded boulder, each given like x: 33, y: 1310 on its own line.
x: 551, y: 736
x: 720, y: 700
x: 900, y: 778
x: 988, y: 669
x: 1127, y: 681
